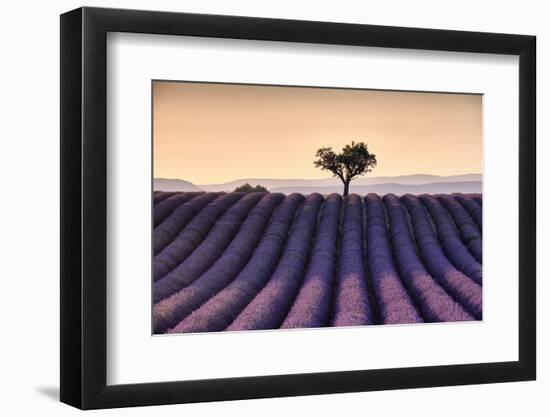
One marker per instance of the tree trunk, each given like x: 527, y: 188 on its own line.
x: 346, y: 188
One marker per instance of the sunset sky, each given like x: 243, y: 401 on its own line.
x: 214, y: 133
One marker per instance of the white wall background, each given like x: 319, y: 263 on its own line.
x: 29, y: 224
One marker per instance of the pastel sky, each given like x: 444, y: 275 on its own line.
x: 214, y: 133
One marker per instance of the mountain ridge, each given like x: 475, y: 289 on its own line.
x: 403, y: 184
x: 391, y: 188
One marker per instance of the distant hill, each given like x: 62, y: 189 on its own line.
x: 414, y: 184
x: 167, y: 184
x: 398, y: 189
x: 273, y: 184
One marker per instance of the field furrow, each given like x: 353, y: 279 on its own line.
x: 269, y: 308
x: 254, y: 261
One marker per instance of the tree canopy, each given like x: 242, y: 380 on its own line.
x: 247, y: 188
x: 354, y: 160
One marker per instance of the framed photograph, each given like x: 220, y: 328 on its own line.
x: 257, y: 208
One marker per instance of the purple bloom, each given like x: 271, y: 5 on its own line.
x: 473, y: 207
x: 219, y: 311
x: 449, y: 238
x: 466, y: 291
x: 351, y: 303
x: 167, y: 231
x: 477, y: 197
x: 312, y: 305
x: 394, y: 304
x: 269, y: 308
x: 169, y: 311
x: 163, y: 209
x: 467, y: 228
x: 237, y: 261
x: 194, y: 232
x: 211, y: 248
x: 159, y: 196
x: 432, y: 300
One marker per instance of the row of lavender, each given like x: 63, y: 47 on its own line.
x: 236, y: 261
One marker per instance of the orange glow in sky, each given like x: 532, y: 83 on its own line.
x: 214, y: 133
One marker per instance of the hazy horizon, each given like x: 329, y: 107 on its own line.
x: 327, y: 177
x: 209, y: 133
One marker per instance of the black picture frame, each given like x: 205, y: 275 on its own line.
x: 84, y: 207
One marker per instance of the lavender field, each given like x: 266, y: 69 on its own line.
x: 250, y: 261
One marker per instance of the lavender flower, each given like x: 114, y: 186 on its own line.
x: 394, y: 304
x: 449, y: 238
x: 211, y: 248
x: 466, y: 291
x: 352, y: 306
x: 268, y: 309
x: 432, y: 300
x: 312, y: 305
x: 219, y: 311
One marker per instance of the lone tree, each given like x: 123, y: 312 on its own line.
x: 354, y: 160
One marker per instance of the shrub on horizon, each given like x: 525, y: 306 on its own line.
x: 247, y: 188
